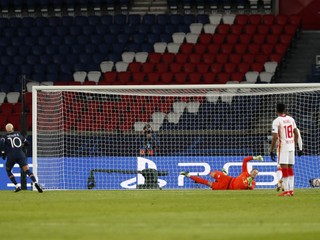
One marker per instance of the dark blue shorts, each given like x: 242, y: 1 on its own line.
x: 11, y: 162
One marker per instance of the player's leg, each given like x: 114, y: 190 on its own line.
x: 283, y: 158
x: 27, y: 171
x: 221, y: 180
x: 291, y: 172
x: 279, y: 178
x: 9, y: 166
x: 196, y: 178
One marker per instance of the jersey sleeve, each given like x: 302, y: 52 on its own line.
x: 245, y: 163
x: 275, y: 125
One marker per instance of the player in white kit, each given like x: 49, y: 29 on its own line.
x: 284, y: 130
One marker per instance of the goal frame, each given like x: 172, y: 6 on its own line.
x: 88, y: 88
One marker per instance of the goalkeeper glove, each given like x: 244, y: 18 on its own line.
x: 249, y: 179
x: 300, y: 153
x: 259, y: 157
x: 273, y: 156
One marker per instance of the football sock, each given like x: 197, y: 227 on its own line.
x: 279, y: 173
x: 11, y: 177
x: 291, y: 179
x: 285, y: 178
x: 30, y: 174
x: 199, y: 180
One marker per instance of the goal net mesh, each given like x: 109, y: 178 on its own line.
x: 141, y: 137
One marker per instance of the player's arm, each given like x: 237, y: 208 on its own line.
x: 274, y: 140
x: 298, y: 140
x: 248, y: 159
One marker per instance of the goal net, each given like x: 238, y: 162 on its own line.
x: 136, y: 137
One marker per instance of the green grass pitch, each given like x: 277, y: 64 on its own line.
x: 155, y: 214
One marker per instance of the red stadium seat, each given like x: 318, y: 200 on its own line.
x: 235, y: 58
x: 138, y: 77
x: 205, y: 38
x: 213, y: 48
x: 248, y: 58
x: 280, y: 48
x: 223, y: 29
x: 250, y: 29
x: 162, y: 67
x: 237, y: 77
x: 240, y: 48
x: 195, y: 78
x: 254, y: 48
x: 153, y: 77
x: 216, y: 67
x: 261, y: 58
x: 257, y: 67
x: 232, y: 38
x: 200, y: 48
x: 147, y: 67
x: 277, y: 29
x: 6, y: 108
x: 236, y: 29
x: 226, y: 48
x: 272, y: 38
x: 3, y: 121
x: 168, y: 57
x: 154, y: 57
x: 180, y: 77
x: 202, y: 67
x: 295, y: 20
x: 209, y: 78
x: 218, y: 38
x: 134, y: 67
x: 258, y: 38
x: 222, y: 58
x: 243, y: 67
x: 290, y: 29
x: 17, y: 107
x: 286, y: 39
x: 275, y: 57
x: 223, y: 78
x: 175, y: 67
x: 230, y: 67
x: 14, y: 118
x: 268, y: 19
x: 245, y: 39
x: 181, y: 57
x: 263, y: 29
x: 186, y: 48
x: 241, y: 19
x: 208, y: 58
x: 167, y: 77
x: 123, y: 77
x: 189, y: 67
x: 195, y: 58
x: 281, y: 19
x: 267, y: 49
x: 255, y: 19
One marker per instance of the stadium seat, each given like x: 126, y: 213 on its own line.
x: 251, y: 77
x: 168, y: 57
x: 80, y: 76
x: 173, y: 47
x: 94, y: 76
x: 209, y: 28
x: 121, y: 66
x: 141, y: 57
x: 13, y: 97
x: 181, y: 77
x: 266, y: 77
x: 160, y: 47
x: 128, y: 57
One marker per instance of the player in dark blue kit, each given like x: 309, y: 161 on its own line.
x: 12, y: 144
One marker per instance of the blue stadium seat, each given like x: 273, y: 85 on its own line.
x: 24, y: 51
x: 120, y: 19
x: 96, y: 39
x: 43, y: 40
x: 70, y: 40
x: 189, y: 18
x: 31, y: 59
x: 166, y: 37
x: 9, y: 32
x: 30, y: 41
x: 58, y: 59
x: 138, y: 38
x: 35, y: 31
x: 102, y: 29
x: 22, y: 31
x: 45, y: 59
x: 110, y: 39
x: 94, y: 20
x: 98, y: 58
x: 64, y: 49
x: 49, y: 31
x: 5, y: 87
x: 11, y: 51
x: 170, y: 29
x: 147, y: 47
x: 41, y: 21
x: 53, y: 68
x: 66, y: 68
x: 128, y: 29
x: 77, y: 49
x: 28, y: 22
x: 75, y: 30
x: 52, y: 77
x: 18, y: 60
x: 176, y: 19
x: 106, y: 20
x: 162, y: 19
x: 5, y: 60
x: 54, y: 21
x: 15, y: 22
x: 114, y: 57
x: 3, y: 70
x: 152, y: 38
x: 203, y: 18
x: 57, y: 40
x: 17, y: 41
x: 40, y: 68
x: 143, y: 28
x: 62, y: 30
x: 10, y: 79
x: 104, y: 48
x: 66, y: 21
x: 134, y: 19
x: 88, y: 30
x: 4, y: 22
x: 123, y: 38
x: 149, y: 19
x: 83, y: 39
x: 134, y: 47
x: 72, y: 58
x: 184, y: 28
x: 157, y: 29
x: 90, y: 48
x: 115, y: 29
x: 118, y: 47
x: 13, y: 69
x: 51, y: 49
x: 26, y: 69
x: 38, y: 77
x: 81, y: 20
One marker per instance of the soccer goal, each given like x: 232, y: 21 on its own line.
x: 142, y: 137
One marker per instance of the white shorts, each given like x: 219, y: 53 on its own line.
x: 286, y: 157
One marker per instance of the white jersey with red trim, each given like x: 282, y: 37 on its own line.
x: 284, y: 125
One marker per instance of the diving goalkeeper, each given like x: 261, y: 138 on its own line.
x: 245, y: 181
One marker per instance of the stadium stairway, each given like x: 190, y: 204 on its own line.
x: 301, y: 59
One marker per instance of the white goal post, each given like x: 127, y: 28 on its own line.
x: 129, y: 137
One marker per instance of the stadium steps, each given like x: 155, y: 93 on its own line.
x: 298, y: 65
